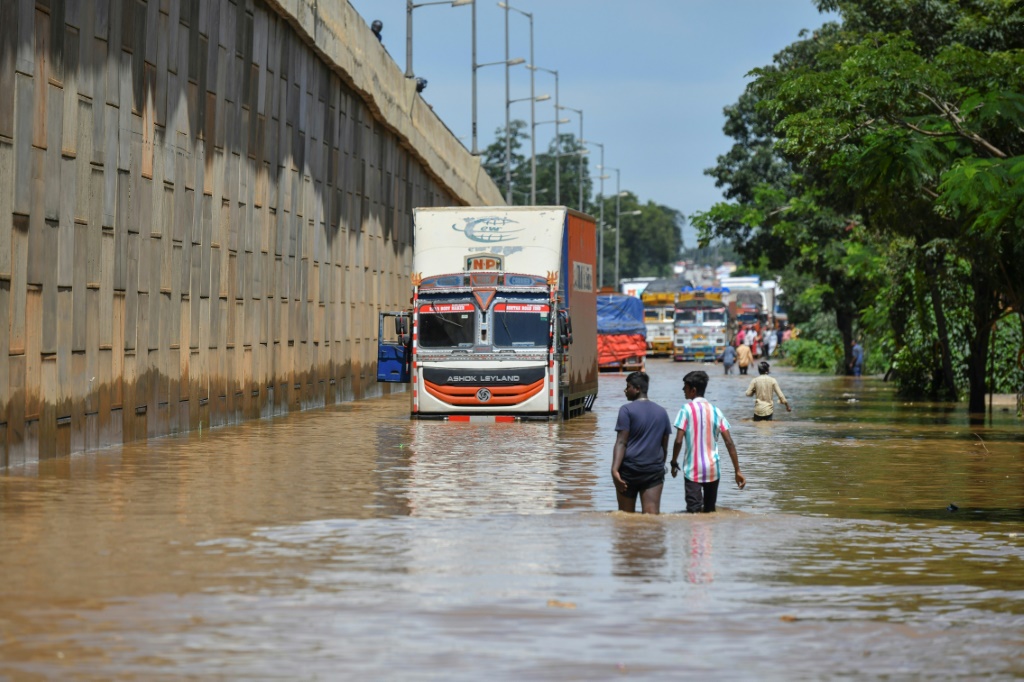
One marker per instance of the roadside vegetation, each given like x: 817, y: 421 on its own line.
x: 878, y: 173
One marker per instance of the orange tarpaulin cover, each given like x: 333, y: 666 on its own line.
x: 619, y: 347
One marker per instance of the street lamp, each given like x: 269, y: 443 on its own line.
x: 600, y: 232
x: 508, y: 137
x: 533, y: 143
x: 627, y: 213
x: 618, y: 213
x: 409, y: 7
x: 556, y: 121
x: 533, y: 149
x: 558, y: 180
x: 511, y: 62
x: 506, y: 61
x: 580, y: 112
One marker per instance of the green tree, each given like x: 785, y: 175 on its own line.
x: 569, y: 175
x: 649, y: 243
x: 568, y: 157
x: 779, y: 219
x: 494, y: 155
x: 915, y: 110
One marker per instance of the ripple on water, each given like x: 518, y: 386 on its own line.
x: 354, y: 539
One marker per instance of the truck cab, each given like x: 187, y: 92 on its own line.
x: 700, y: 325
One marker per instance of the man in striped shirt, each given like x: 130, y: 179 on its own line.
x: 698, y: 425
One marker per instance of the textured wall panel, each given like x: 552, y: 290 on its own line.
x: 201, y: 215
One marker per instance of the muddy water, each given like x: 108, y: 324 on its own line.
x: 353, y: 542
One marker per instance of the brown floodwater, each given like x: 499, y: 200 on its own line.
x: 353, y: 542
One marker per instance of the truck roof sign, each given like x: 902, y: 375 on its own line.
x: 484, y: 261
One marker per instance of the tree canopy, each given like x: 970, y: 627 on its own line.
x: 894, y: 134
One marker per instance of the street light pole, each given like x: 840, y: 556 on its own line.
x: 508, y: 138
x: 533, y: 144
x: 600, y: 222
x: 409, y: 7
x: 618, y: 214
x: 533, y: 125
x: 581, y: 162
x: 558, y: 180
x: 617, y: 195
x: 476, y: 150
x: 533, y: 118
x: 580, y: 179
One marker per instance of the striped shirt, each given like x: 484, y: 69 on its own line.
x: 701, y: 422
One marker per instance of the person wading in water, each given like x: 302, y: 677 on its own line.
x: 762, y: 389
x: 641, y: 448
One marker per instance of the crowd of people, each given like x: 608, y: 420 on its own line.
x: 752, y: 342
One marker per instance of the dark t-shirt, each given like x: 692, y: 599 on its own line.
x: 647, y: 423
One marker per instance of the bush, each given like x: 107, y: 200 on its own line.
x: 812, y: 356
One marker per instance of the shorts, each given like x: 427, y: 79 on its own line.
x: 639, y: 481
x: 763, y: 417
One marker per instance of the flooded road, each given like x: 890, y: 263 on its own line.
x: 353, y: 542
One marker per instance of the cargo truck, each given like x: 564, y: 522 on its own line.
x: 701, y: 330
x: 659, y: 298
x: 621, y: 333
x: 503, y: 325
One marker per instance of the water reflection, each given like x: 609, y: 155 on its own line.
x: 639, y: 550
x: 699, y: 566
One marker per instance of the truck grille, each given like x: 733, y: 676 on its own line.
x: 470, y: 396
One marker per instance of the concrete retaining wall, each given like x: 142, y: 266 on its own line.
x: 203, y: 206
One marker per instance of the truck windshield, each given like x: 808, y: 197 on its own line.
x: 447, y: 325
x: 714, y: 316
x: 686, y: 316
x: 521, y: 325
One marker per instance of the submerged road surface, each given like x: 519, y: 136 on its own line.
x: 875, y: 537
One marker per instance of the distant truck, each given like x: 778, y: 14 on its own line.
x: 621, y: 333
x: 503, y: 325
x: 659, y: 298
x: 700, y: 324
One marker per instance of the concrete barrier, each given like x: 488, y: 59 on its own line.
x: 203, y: 205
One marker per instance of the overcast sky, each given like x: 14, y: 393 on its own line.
x: 651, y: 76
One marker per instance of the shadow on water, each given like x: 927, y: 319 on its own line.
x: 962, y: 515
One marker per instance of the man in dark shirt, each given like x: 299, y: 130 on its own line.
x: 857, y: 363
x: 641, y: 448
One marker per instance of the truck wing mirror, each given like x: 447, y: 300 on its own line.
x: 401, y: 325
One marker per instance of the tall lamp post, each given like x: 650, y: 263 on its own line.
x: 409, y: 7
x: 618, y: 213
x: 600, y: 222
x: 511, y: 62
x: 627, y: 213
x: 580, y: 112
x: 533, y: 158
x: 533, y: 117
x: 558, y: 193
x: 557, y: 121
